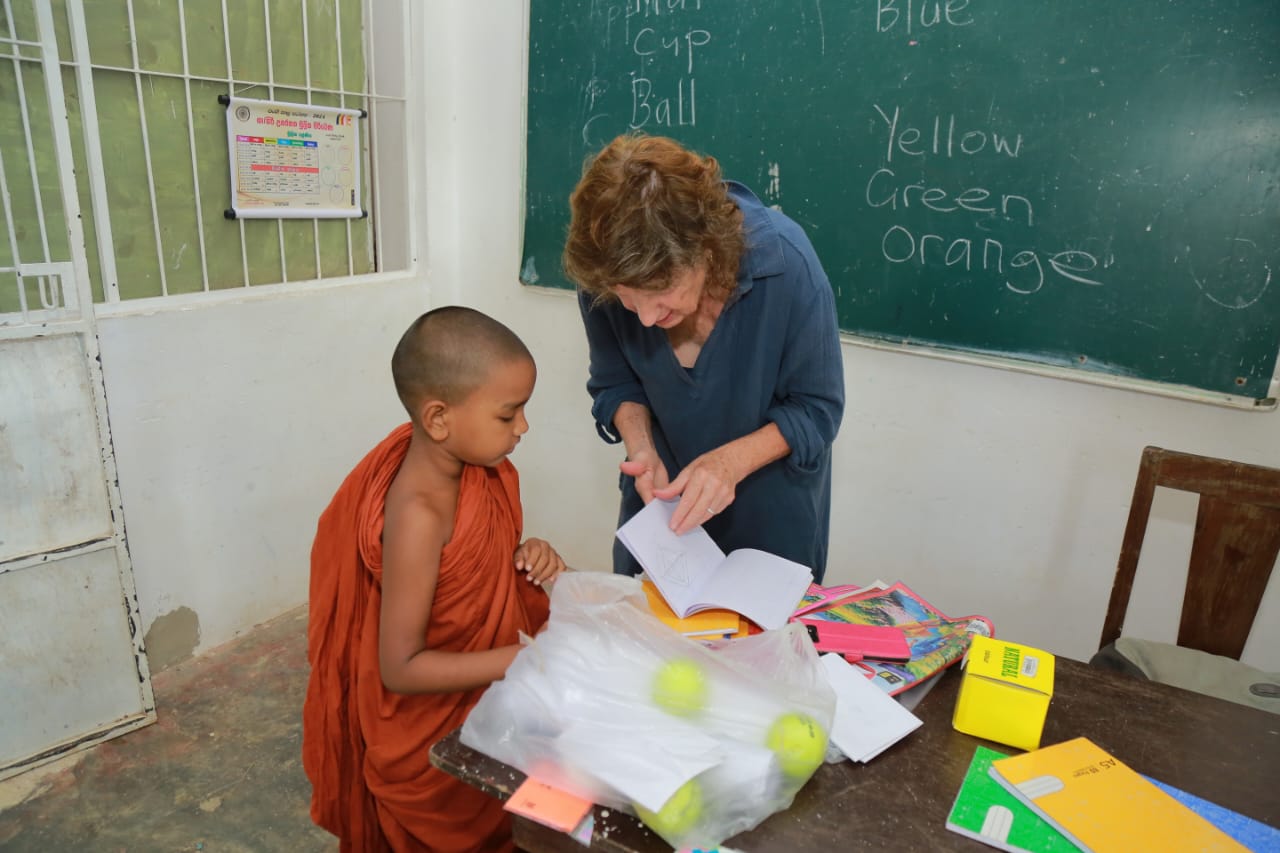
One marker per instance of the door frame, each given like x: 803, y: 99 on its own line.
x: 73, y: 314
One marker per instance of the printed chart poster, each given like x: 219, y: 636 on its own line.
x: 293, y: 161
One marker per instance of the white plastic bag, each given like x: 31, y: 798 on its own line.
x: 703, y: 742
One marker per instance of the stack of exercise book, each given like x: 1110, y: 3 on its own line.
x: 712, y: 624
x: 1075, y: 795
x: 934, y: 641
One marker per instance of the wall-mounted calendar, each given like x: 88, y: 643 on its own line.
x: 293, y: 161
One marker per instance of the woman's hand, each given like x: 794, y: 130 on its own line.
x: 539, y: 560
x: 705, y: 487
x: 646, y: 466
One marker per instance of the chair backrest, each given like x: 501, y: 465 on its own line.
x: 1237, y: 538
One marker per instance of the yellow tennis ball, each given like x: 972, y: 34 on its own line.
x: 678, y: 814
x: 800, y: 743
x: 680, y: 687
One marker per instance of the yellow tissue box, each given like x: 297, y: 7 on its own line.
x: 1004, y: 692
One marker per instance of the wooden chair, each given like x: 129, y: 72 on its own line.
x: 1237, y: 538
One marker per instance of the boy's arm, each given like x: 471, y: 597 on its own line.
x: 411, y: 543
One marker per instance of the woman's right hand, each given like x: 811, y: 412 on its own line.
x: 647, y: 468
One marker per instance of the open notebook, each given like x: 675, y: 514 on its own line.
x: 693, y: 574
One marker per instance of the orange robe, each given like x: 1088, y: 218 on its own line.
x: 364, y: 748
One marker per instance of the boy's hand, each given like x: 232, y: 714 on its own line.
x: 539, y: 560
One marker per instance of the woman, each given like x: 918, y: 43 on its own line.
x: 715, y: 354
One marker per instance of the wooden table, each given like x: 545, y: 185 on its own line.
x: 1224, y: 752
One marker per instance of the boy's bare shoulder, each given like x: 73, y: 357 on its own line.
x: 421, y: 503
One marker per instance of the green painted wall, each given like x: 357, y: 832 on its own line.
x: 164, y: 104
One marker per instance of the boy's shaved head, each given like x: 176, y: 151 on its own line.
x: 447, y: 353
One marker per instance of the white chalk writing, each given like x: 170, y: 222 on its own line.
x: 941, y: 138
x: 666, y: 108
x: 883, y: 191
x: 1024, y: 273
x: 912, y: 15
x: 647, y: 43
x: 664, y: 38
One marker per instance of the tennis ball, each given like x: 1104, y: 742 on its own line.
x: 800, y: 743
x: 680, y: 687
x: 678, y: 814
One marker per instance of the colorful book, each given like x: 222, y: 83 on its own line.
x: 1253, y: 834
x: 819, y: 597
x: 936, y: 641
x: 1103, y: 806
x: 893, y: 605
x: 705, y: 624
x: 986, y: 811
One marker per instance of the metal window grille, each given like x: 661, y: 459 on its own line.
x: 142, y: 79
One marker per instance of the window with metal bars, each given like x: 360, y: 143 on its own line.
x: 142, y: 80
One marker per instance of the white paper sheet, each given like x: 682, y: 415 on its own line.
x: 868, y: 720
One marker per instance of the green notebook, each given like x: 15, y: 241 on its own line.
x: 985, y: 810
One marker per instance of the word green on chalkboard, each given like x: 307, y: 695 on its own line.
x: 1091, y: 185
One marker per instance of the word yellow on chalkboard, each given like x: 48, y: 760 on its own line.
x: 1088, y: 185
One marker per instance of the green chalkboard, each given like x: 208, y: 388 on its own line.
x: 1087, y: 184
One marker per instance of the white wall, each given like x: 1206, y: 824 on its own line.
x: 985, y: 490
x: 233, y: 424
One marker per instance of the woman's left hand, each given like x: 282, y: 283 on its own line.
x: 705, y: 487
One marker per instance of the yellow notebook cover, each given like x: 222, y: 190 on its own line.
x: 704, y: 623
x: 1103, y: 806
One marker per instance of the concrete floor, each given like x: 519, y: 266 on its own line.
x: 221, y: 770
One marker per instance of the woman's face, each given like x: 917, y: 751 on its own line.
x: 671, y: 306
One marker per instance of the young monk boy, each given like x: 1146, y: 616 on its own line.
x: 420, y: 587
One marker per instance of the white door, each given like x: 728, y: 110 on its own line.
x: 72, y: 669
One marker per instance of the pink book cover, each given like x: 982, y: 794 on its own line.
x: 936, y: 640
x: 856, y: 642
